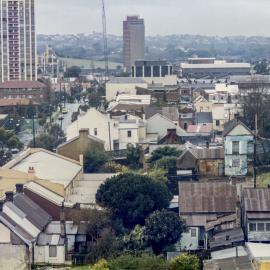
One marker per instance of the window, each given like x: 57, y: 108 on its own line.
x: 52, y: 251
x: 185, y: 126
x: 95, y: 131
x: 260, y: 227
x: 236, y: 163
x: 267, y: 227
x: 235, y: 147
x: 129, y: 134
x: 217, y: 123
x: 252, y: 227
x: 193, y: 232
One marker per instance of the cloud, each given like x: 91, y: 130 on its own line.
x: 210, y: 17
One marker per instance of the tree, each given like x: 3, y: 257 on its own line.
x: 134, y: 157
x: 101, y: 265
x: 9, y: 140
x: 185, y: 262
x: 166, y: 163
x: 94, y: 160
x: 135, y: 240
x: 73, y: 72
x: 256, y: 101
x: 162, y: 229
x: 166, y: 151
x: 133, y: 197
x: 261, y: 67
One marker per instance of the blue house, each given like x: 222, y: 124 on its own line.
x: 238, y: 146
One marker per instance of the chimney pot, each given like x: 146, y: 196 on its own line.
x: 19, y: 188
x: 84, y: 132
x: 1, y: 206
x: 9, y: 196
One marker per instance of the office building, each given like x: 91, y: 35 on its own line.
x: 158, y: 68
x: 134, y: 41
x: 212, y: 68
x: 18, y: 40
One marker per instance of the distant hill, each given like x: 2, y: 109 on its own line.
x: 173, y: 48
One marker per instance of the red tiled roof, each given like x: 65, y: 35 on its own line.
x: 16, y: 101
x: 22, y: 84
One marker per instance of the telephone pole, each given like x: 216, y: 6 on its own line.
x: 255, y: 152
x: 105, y: 40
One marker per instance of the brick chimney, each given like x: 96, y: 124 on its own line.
x: 84, y: 132
x: 9, y: 196
x: 19, y: 188
x: 1, y: 206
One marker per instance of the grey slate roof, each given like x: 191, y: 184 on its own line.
x: 229, y: 126
x: 32, y: 211
x: 203, y: 117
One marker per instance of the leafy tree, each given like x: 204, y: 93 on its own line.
x: 134, y: 156
x: 163, y: 228
x: 73, y: 72
x: 133, y: 197
x: 9, y: 140
x: 5, y: 156
x: 166, y: 151
x: 135, y: 240
x: 185, y: 262
x: 166, y: 163
x: 94, y: 160
x: 158, y: 174
x: 101, y: 265
x: 261, y: 67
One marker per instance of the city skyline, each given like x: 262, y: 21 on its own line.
x: 209, y: 17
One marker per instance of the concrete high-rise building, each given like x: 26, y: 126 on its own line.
x: 134, y: 40
x: 17, y: 40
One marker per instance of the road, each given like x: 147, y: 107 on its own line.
x: 26, y: 135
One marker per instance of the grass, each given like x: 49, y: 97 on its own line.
x: 263, y: 179
x: 88, y: 63
x: 81, y: 268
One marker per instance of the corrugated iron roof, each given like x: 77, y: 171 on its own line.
x: 207, y: 153
x: 35, y: 214
x: 257, y: 200
x: 206, y: 197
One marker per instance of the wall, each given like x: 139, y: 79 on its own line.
x: 167, y: 80
x: 188, y: 242
x: 14, y: 257
x: 257, y: 235
x: 210, y: 167
x: 42, y: 255
x: 78, y: 147
x: 159, y: 124
x: 94, y: 119
x: 4, y: 234
x: 203, y: 106
x: 242, y: 156
x: 112, y: 89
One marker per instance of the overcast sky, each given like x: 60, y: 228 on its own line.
x: 205, y: 17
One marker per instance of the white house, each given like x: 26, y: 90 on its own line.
x: 123, y: 85
x: 115, y: 132
x: 159, y: 124
x: 238, y: 145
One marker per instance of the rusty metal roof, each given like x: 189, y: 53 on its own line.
x: 207, y: 197
x: 257, y: 199
x: 207, y: 153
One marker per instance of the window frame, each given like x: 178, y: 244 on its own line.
x: 129, y: 133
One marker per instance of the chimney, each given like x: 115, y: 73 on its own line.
x: 84, y: 132
x: 31, y: 172
x: 9, y: 196
x: 81, y: 160
x: 19, y: 188
x: 1, y: 206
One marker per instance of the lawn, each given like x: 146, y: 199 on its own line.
x: 263, y: 179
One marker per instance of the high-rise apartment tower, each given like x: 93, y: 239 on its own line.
x: 134, y: 41
x: 17, y: 40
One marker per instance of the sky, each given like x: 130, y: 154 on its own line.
x: 162, y: 17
